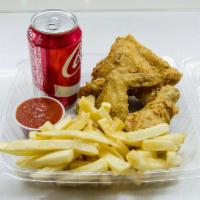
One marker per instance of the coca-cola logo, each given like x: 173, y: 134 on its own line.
x: 72, y: 63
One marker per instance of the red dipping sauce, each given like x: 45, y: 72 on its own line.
x: 34, y: 112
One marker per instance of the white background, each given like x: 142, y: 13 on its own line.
x: 173, y: 31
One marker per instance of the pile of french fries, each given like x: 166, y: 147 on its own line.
x: 93, y: 141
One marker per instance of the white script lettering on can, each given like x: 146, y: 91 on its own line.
x: 76, y: 54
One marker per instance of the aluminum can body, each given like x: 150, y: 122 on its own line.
x: 55, y: 50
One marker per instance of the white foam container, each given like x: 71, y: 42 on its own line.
x: 187, y: 121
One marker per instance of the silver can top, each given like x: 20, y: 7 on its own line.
x: 54, y: 21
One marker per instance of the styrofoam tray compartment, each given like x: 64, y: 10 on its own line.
x: 187, y: 121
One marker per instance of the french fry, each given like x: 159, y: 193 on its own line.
x: 100, y: 165
x: 117, y: 125
x: 133, y: 154
x: 40, y: 175
x: 91, y: 158
x: 153, y: 163
x: 20, y: 148
x: 26, y: 159
x: 89, y: 126
x: 47, y: 126
x: 104, y: 111
x: 144, y: 134
x: 159, y: 145
x: 54, y: 168
x: 173, y: 159
x: 137, y: 160
x: 97, y: 130
x: 121, y: 147
x: 56, y: 158
x: 63, y: 157
x: 79, y: 124
x: 118, y: 166
x: 89, y: 149
x: 91, y: 99
x: 117, y: 143
x: 87, y: 106
x: 78, y: 163
x: 63, y: 124
x: 48, y: 170
x: 33, y: 147
x: 105, y: 107
x: 144, y: 160
x: 118, y: 135
x: 129, y: 172
x: 71, y: 134
x: 177, y: 139
x: 105, y: 126
x: 105, y: 148
x: 32, y: 135
x: 79, y: 114
x: 122, y: 136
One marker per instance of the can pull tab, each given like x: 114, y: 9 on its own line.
x: 53, y: 23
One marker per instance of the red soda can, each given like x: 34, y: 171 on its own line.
x: 55, y: 51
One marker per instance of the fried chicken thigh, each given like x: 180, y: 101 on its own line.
x: 161, y: 110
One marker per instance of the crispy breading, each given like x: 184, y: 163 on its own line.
x: 126, y: 52
x: 130, y: 68
x: 92, y: 88
x: 116, y: 86
x: 161, y: 110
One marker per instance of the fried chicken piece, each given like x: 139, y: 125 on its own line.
x: 160, y: 66
x: 161, y: 110
x: 126, y: 52
x: 92, y: 88
x: 123, y: 53
x: 116, y: 86
x: 132, y: 68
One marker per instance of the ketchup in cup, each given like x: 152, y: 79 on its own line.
x: 34, y: 112
x: 55, y: 51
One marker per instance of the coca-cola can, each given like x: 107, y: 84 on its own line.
x: 55, y: 51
